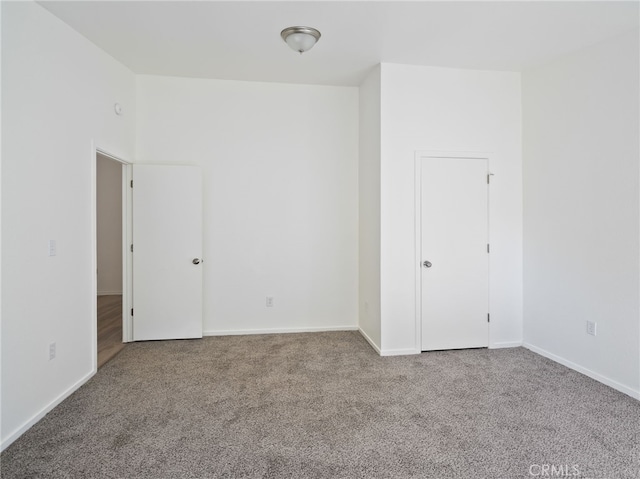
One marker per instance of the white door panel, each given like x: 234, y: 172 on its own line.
x: 167, y: 237
x: 454, y: 228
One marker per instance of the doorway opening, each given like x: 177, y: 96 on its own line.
x: 112, y: 270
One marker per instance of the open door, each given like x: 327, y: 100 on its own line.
x: 167, y: 252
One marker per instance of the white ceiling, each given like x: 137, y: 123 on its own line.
x: 240, y: 40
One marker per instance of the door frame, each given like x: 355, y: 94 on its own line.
x: 419, y: 157
x: 127, y: 264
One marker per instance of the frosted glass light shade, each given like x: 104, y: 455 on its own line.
x: 300, y: 39
x: 300, y: 42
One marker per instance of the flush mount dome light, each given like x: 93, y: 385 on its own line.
x: 300, y: 39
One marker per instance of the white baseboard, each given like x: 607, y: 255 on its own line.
x: 587, y: 372
x: 505, y: 344
x: 109, y: 293
x: 241, y: 332
x: 387, y: 352
x: 399, y: 352
x: 370, y: 341
x: 6, y: 442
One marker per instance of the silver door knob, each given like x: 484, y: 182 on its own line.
x: 427, y: 264
x: 196, y: 261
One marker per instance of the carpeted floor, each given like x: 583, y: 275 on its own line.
x: 324, y: 405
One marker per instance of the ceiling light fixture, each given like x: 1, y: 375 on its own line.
x: 300, y: 39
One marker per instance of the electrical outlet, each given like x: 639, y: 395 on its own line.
x: 53, y: 248
x: 52, y: 351
x: 269, y: 301
x: 591, y: 328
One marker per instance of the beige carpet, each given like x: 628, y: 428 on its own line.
x: 325, y: 405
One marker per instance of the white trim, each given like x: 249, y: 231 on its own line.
x: 94, y: 258
x: 243, y: 332
x: 419, y: 156
x: 34, y: 419
x: 127, y: 254
x: 505, y: 344
x: 417, y: 227
x: 472, y: 155
x: 370, y: 341
x: 109, y: 293
x: 399, y: 352
x: 587, y: 372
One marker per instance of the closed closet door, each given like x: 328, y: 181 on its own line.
x: 454, y: 250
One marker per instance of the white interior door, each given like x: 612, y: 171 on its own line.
x: 167, y: 255
x: 454, y: 249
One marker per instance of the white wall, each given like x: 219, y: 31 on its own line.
x: 430, y: 108
x: 58, y: 92
x: 109, y: 225
x: 581, y: 194
x: 369, y: 207
x: 280, y: 172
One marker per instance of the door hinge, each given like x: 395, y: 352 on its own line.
x: 131, y: 183
x: 132, y: 247
x: 488, y: 176
x: 131, y: 311
x: 488, y: 318
x: 488, y: 248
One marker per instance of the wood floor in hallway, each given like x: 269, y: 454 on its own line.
x: 109, y: 327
